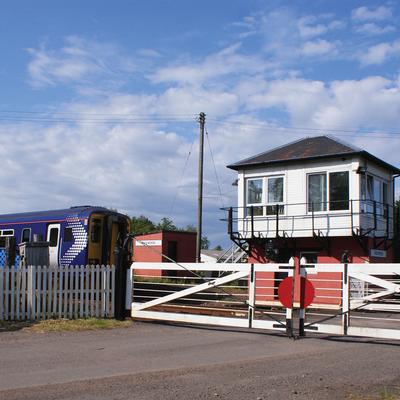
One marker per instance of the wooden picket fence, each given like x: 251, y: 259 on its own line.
x: 41, y: 292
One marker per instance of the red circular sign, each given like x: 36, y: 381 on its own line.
x: 285, y: 292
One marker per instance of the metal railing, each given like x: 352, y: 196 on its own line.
x: 361, y: 217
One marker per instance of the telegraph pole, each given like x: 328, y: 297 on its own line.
x: 202, y: 121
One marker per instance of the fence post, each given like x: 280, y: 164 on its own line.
x: 302, y: 310
x: 31, y: 292
x: 129, y: 288
x: 289, y: 310
x: 345, y: 293
x: 252, y: 295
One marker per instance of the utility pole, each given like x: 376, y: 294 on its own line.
x: 202, y: 121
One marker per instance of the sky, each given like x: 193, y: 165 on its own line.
x: 99, y: 99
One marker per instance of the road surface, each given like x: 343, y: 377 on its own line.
x: 156, y: 361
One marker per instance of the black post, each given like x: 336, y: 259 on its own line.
x: 312, y: 217
x: 351, y: 215
x: 387, y: 220
x: 122, y: 265
x: 230, y: 221
x: 346, y: 312
x: 252, y: 220
x: 277, y: 221
x: 375, y: 222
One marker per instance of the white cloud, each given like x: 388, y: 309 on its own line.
x: 308, y: 28
x: 225, y: 62
x: 380, y: 53
x: 371, y: 28
x: 79, y: 61
x: 318, y: 47
x: 312, y: 25
x: 365, y: 13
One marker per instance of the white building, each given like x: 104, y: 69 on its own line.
x: 317, y: 188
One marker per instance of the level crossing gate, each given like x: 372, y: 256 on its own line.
x: 347, y: 299
x: 364, y: 300
x: 222, y: 294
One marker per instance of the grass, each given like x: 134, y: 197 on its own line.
x: 63, y: 325
x: 383, y: 394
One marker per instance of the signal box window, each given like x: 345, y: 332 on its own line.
x: 255, y: 195
x: 339, y: 190
x: 68, y: 237
x: 332, y: 189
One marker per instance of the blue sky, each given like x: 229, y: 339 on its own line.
x: 99, y: 98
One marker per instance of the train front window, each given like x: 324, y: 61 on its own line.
x: 95, y: 236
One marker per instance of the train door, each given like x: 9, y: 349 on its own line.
x: 53, y: 237
x: 96, y: 239
x: 113, y: 244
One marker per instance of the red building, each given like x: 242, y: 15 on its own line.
x: 176, y: 245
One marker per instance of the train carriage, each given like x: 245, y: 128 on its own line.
x: 77, y: 235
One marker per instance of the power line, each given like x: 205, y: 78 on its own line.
x: 181, y: 178
x: 132, y: 119
x: 296, y: 128
x: 215, y: 169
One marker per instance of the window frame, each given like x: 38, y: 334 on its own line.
x: 327, y: 191
x: 22, y: 235
x: 264, y: 196
x: 366, y: 205
x: 8, y: 234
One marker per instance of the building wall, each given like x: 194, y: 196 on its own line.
x: 157, y: 244
x: 296, y: 219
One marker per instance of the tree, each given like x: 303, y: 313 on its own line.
x: 166, y: 224
x: 142, y: 225
x: 218, y: 247
x: 205, y: 243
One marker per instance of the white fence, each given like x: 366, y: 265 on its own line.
x: 40, y: 292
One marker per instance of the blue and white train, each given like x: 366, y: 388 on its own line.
x: 77, y: 235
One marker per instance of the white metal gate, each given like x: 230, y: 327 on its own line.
x: 364, y: 299
x: 350, y: 299
x: 234, y: 295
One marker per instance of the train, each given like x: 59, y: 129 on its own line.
x: 79, y: 235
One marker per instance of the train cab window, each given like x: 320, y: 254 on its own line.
x: 68, y: 237
x: 53, y: 237
x: 95, y: 236
x: 26, y: 235
x: 7, y: 232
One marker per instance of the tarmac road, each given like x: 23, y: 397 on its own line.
x: 155, y: 361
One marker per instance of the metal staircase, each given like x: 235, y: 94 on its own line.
x: 234, y: 254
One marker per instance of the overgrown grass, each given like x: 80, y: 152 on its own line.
x: 63, y: 325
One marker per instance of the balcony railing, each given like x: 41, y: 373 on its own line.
x: 334, y: 218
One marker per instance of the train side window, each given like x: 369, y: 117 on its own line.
x: 26, y: 235
x: 68, y: 237
x: 7, y: 232
x: 95, y: 236
x: 53, y: 237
